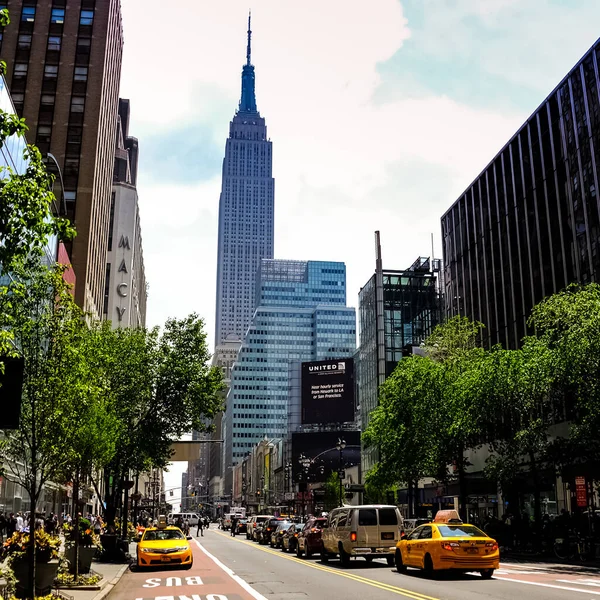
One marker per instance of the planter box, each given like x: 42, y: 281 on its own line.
x: 86, y: 555
x: 45, y: 573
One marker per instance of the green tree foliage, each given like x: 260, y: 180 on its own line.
x: 160, y: 386
x: 58, y: 388
x: 332, y: 492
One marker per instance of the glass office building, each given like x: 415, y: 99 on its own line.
x: 530, y: 223
x: 397, y: 311
x: 301, y: 315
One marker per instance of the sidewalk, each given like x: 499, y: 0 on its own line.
x: 111, y: 574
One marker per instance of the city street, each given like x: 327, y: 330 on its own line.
x: 227, y: 568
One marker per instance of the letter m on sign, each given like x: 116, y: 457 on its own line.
x: 124, y: 242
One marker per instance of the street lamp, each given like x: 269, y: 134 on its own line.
x: 341, y: 444
x: 288, y: 481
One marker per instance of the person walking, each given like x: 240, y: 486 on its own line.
x: 186, y: 526
x: 19, y: 522
x: 233, y: 526
x: 200, y: 527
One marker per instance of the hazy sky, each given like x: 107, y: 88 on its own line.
x: 380, y: 112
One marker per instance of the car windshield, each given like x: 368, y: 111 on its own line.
x: 165, y: 534
x: 283, y: 525
x: 319, y: 522
x: 460, y: 531
x: 299, y: 526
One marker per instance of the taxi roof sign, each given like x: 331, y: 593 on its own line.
x: 447, y: 516
x: 162, y: 522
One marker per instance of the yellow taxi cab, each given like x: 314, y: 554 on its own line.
x: 448, y: 543
x: 164, y: 545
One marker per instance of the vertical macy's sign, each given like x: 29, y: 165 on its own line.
x: 122, y: 288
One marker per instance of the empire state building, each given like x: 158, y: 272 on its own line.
x: 246, y: 209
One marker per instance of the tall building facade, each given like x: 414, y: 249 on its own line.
x: 63, y: 70
x: 246, y: 210
x: 530, y: 222
x: 397, y: 311
x: 125, y: 292
x: 301, y: 315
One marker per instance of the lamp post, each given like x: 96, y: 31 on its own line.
x: 341, y: 444
x: 305, y: 462
x: 288, y: 481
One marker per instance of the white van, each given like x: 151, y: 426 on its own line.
x: 370, y: 530
x: 192, y: 518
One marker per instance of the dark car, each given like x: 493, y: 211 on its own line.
x: 264, y: 534
x: 277, y: 533
x: 242, y: 526
x: 289, y: 540
x: 309, y: 539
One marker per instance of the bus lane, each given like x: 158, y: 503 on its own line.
x: 208, y: 579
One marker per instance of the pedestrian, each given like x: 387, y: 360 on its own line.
x: 200, y: 527
x: 186, y: 526
x: 98, y: 525
x: 11, y: 525
x: 3, y: 523
x: 20, y: 522
x: 233, y: 526
x: 206, y: 523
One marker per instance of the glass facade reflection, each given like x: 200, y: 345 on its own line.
x: 301, y: 315
x: 530, y: 223
x: 411, y: 309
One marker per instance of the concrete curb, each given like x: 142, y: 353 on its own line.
x: 111, y: 584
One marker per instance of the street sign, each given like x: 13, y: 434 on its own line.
x: 342, y: 474
x: 580, y: 491
x: 289, y: 495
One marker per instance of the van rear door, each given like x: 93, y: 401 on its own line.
x: 388, y: 526
x: 368, y: 533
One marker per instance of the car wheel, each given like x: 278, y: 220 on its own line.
x: 369, y: 559
x: 298, y: 551
x: 344, y: 557
x: 188, y: 567
x: 400, y: 566
x: 428, y: 565
x: 324, y: 557
x: 487, y: 573
x: 308, y: 553
x: 390, y: 561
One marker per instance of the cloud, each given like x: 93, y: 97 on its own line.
x: 377, y: 112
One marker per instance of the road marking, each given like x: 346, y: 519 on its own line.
x: 231, y: 574
x: 378, y: 584
x: 549, y: 585
x: 595, y: 583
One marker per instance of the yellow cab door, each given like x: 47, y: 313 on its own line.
x: 423, y: 544
x: 410, y: 548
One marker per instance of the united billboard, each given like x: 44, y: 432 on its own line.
x: 328, y: 391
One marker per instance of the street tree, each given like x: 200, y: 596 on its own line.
x: 46, y: 325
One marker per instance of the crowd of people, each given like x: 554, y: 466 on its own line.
x: 51, y: 523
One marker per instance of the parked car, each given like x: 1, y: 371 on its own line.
x: 263, y: 534
x: 242, y: 526
x: 309, y: 539
x: 277, y: 534
x: 410, y: 524
x: 255, y: 523
x: 289, y: 540
x: 371, y: 531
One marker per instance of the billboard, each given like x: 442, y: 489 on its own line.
x: 328, y: 391
x: 315, y: 456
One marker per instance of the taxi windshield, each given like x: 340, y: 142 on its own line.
x: 460, y: 531
x: 165, y: 534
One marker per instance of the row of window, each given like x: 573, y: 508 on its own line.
x: 57, y: 16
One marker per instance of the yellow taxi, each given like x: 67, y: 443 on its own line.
x: 164, y: 545
x: 448, y: 543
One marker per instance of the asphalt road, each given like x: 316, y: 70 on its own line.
x: 227, y: 568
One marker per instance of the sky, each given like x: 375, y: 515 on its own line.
x: 381, y: 113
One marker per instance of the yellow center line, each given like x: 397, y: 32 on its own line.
x: 378, y: 584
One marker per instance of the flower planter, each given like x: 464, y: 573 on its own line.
x: 45, y: 573
x: 86, y: 555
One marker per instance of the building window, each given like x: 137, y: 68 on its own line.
x: 20, y: 71
x: 77, y: 104
x: 87, y: 17
x: 81, y: 74
x: 24, y: 41
x: 50, y: 72
x: 28, y: 14
x: 111, y: 224
x: 47, y: 99
x: 43, y: 134
x: 58, y: 15
x: 54, y: 42
x: 70, y: 196
x: 106, y: 288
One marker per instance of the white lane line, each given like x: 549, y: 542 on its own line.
x: 581, y: 581
x: 236, y: 578
x: 548, y: 585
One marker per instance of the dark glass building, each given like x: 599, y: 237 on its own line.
x: 397, y: 311
x: 530, y: 223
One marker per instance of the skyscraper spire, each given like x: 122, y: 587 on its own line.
x: 249, y: 48
x: 248, y: 100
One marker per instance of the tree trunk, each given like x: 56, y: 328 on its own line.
x: 537, y: 503
x: 32, y: 553
x: 462, y: 487
x: 76, y: 525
